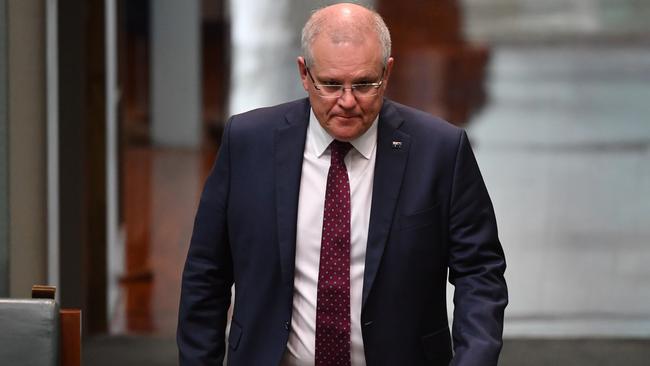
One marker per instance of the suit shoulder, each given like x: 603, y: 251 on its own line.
x: 418, y: 122
x: 268, y: 117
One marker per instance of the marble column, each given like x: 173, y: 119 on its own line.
x: 175, y: 73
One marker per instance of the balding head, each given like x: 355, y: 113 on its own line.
x: 345, y: 23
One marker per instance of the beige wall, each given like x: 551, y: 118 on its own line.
x: 4, y: 164
x: 27, y: 145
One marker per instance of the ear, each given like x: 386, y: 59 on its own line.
x: 389, y: 69
x: 302, y: 69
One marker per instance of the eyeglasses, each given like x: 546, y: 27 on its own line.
x: 362, y: 90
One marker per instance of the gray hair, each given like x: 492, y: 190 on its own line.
x: 315, y: 25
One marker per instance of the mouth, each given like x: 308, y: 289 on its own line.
x: 346, y: 118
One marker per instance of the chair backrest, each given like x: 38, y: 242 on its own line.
x: 29, y: 332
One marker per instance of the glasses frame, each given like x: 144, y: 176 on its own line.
x: 352, y: 87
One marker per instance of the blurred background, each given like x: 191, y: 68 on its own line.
x: 111, y: 113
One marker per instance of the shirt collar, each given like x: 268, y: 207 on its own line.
x: 364, y: 144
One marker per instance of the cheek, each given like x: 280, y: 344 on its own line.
x: 371, y: 109
x: 321, y: 106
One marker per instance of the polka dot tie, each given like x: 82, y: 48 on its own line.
x: 333, y: 299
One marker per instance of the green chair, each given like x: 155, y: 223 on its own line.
x: 31, y: 332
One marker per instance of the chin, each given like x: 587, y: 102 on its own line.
x: 345, y: 129
x: 345, y: 135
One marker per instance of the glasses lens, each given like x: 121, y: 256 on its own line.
x: 365, y: 90
x: 358, y: 90
x: 331, y: 91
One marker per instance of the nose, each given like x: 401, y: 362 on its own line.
x: 347, y: 100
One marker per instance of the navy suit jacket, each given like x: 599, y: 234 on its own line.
x: 431, y: 217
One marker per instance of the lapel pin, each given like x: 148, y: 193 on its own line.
x: 397, y: 145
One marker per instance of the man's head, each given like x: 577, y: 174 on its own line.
x: 347, y: 45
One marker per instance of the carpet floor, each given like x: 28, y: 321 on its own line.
x: 150, y: 351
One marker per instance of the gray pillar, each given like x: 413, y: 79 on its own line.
x: 4, y: 163
x: 265, y: 44
x: 176, y: 73
x: 27, y: 162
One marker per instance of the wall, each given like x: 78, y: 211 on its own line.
x: 555, y: 20
x: 564, y: 146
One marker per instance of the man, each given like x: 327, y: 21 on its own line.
x: 337, y: 218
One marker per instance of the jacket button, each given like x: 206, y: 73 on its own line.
x: 368, y: 323
x: 286, y: 325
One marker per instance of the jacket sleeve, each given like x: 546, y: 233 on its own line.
x: 208, y: 272
x: 476, y: 266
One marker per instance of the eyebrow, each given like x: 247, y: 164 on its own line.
x: 366, y: 79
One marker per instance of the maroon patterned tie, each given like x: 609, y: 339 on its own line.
x: 333, y: 300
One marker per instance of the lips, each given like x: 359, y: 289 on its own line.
x: 345, y: 117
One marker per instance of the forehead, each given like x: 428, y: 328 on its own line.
x: 349, y: 57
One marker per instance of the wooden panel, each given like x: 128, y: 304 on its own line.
x: 82, y: 136
x: 95, y: 170
x: 416, y: 23
x: 444, y: 81
x: 43, y: 292
x: 435, y: 69
x: 70, y: 350
x: 137, y: 201
x: 162, y: 189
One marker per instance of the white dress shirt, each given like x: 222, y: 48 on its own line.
x: 360, y: 163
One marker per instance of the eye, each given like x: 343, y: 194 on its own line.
x: 331, y: 87
x: 363, y: 87
x: 331, y: 82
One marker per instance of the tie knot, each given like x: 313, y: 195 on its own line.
x: 340, y: 149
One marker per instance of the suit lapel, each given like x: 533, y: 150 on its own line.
x: 289, y: 144
x: 392, y: 154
